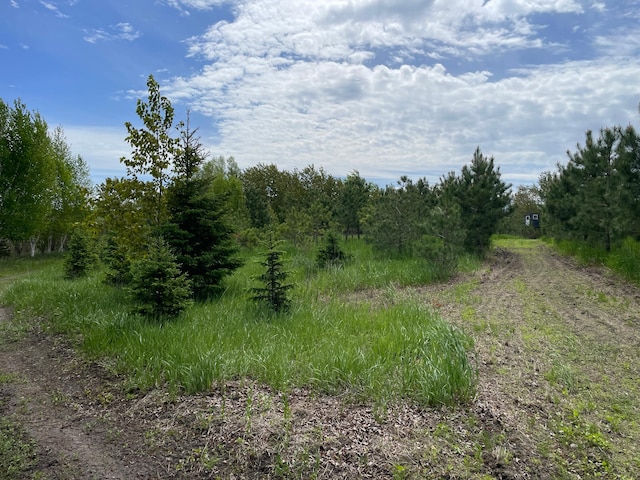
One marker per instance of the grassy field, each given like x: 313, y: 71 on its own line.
x: 524, y: 367
x: 403, y: 351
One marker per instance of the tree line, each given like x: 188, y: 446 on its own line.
x: 44, y: 188
x: 182, y: 216
x: 595, y: 197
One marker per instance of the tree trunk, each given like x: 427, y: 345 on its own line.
x: 33, y: 242
x: 63, y: 243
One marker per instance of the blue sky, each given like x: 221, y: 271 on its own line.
x: 384, y: 87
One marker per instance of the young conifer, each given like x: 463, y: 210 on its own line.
x: 274, y: 280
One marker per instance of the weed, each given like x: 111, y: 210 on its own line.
x: 564, y: 376
x: 58, y: 398
x: 400, y: 472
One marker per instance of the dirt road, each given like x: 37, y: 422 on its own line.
x: 557, y: 348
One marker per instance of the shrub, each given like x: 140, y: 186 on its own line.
x: 442, y: 256
x: 158, y: 287
x: 118, y: 262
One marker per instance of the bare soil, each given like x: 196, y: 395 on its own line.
x: 556, y: 346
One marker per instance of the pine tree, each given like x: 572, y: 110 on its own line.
x: 158, y: 288
x: 198, y: 228
x: 483, y: 198
x: 79, y: 255
x: 330, y: 253
x: 273, y: 293
x: 200, y: 235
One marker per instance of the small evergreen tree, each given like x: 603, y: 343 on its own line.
x: 330, y: 253
x: 158, y: 287
x: 274, y: 291
x: 201, y: 236
x: 118, y: 262
x: 79, y: 256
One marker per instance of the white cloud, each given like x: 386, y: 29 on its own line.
x: 14, y: 4
x: 184, y: 6
x: 620, y: 42
x: 52, y: 7
x: 100, y: 147
x: 388, y: 122
x: 119, y: 31
x: 361, y: 85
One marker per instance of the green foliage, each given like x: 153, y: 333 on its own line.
x: 483, y: 199
x: 393, y: 220
x: 153, y: 148
x: 594, y: 198
x: 331, y: 253
x: 117, y: 259
x: 200, y: 235
x: 625, y: 260
x: 525, y: 201
x: 122, y: 214
x: 443, y: 242
x: 80, y: 256
x: 158, y: 287
x: 70, y: 194
x: 44, y: 189
x: 273, y: 293
x: 352, y: 199
x: 27, y: 173
x: 224, y: 175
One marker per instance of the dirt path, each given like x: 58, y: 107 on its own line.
x: 557, y: 352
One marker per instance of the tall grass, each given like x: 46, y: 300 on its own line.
x: 623, y: 258
x: 325, y: 342
x: 585, y: 253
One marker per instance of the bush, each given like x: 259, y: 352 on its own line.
x: 158, y: 287
x: 442, y: 256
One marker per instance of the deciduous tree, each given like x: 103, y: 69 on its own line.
x: 27, y: 174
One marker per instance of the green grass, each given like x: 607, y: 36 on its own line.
x: 17, y: 452
x: 511, y: 241
x: 623, y: 258
x: 12, y: 268
x: 325, y: 342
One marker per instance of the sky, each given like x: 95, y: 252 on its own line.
x: 383, y: 87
